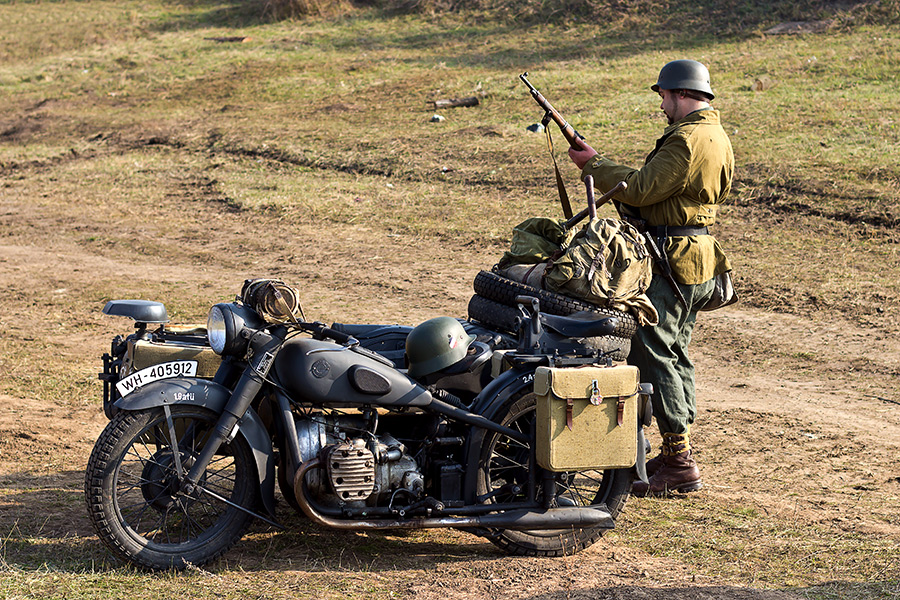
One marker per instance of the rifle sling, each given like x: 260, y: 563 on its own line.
x: 563, y: 195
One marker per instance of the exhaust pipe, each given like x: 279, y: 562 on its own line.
x: 567, y: 517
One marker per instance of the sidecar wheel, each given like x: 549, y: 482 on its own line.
x: 504, y: 461
x: 133, y: 496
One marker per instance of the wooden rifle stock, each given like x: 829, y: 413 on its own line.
x: 551, y: 113
x: 598, y: 203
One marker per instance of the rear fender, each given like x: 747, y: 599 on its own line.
x: 498, y: 391
x: 193, y: 391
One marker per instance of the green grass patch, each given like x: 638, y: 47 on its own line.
x: 758, y: 547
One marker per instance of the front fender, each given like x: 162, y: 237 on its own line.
x: 183, y: 390
x: 193, y: 391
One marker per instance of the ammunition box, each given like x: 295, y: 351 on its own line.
x: 145, y: 353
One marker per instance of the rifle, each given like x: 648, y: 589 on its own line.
x: 568, y: 131
x: 551, y: 113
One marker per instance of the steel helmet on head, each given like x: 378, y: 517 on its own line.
x: 684, y: 75
x: 436, y: 344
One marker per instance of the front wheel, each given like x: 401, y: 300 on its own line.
x: 132, y: 489
x: 503, y: 475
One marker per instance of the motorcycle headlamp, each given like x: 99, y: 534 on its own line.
x: 229, y: 326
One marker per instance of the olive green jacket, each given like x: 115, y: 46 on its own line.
x: 683, y: 182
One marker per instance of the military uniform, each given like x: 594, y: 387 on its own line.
x: 682, y: 183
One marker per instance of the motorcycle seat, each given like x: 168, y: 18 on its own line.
x: 142, y: 311
x: 580, y: 325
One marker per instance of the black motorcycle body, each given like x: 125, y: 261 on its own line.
x: 186, y: 463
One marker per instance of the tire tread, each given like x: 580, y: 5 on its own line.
x: 97, y: 469
x: 504, y: 291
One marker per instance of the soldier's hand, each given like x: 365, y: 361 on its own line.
x: 581, y: 156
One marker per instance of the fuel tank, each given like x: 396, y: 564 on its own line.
x: 323, y: 372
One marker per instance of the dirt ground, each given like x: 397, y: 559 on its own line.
x: 799, y: 416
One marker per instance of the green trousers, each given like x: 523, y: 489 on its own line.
x: 661, y: 353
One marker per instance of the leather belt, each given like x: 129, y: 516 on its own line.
x: 660, y: 231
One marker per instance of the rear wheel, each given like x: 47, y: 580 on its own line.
x: 133, y: 491
x: 504, y: 465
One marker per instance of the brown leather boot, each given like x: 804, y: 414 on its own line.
x: 672, y: 443
x: 654, y: 464
x: 675, y: 472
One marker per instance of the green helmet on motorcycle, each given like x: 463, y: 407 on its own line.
x: 434, y: 345
x: 684, y: 75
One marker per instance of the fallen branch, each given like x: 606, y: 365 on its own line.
x: 226, y: 40
x: 884, y: 399
x: 452, y: 102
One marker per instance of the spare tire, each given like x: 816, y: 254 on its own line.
x: 504, y: 291
x: 501, y: 317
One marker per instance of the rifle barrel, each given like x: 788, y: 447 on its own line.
x: 567, y: 130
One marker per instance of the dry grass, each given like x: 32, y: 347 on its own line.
x: 290, y: 9
x: 130, y: 136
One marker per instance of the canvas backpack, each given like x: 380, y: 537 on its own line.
x: 535, y: 240
x: 606, y: 263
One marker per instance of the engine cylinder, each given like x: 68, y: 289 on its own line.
x: 357, y: 472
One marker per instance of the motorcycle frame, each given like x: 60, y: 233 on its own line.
x: 216, y: 397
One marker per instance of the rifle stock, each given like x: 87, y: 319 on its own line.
x: 595, y: 203
x: 551, y: 113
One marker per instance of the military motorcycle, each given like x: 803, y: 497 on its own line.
x: 531, y: 442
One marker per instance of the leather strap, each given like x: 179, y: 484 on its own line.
x: 563, y: 195
x: 675, y: 231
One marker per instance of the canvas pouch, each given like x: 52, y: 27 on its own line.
x: 146, y: 353
x: 587, y: 417
x: 723, y: 293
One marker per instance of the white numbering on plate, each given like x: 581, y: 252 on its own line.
x: 176, y: 368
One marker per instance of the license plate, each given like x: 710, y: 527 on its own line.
x: 175, y: 368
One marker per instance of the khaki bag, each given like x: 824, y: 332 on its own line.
x: 146, y: 353
x: 606, y: 263
x: 587, y: 417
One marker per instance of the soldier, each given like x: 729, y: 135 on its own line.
x: 673, y: 198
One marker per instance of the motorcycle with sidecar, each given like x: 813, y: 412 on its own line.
x: 531, y: 441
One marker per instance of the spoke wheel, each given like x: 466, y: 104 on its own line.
x: 503, y: 477
x: 134, y: 496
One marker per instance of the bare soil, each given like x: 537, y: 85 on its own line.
x: 799, y: 415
